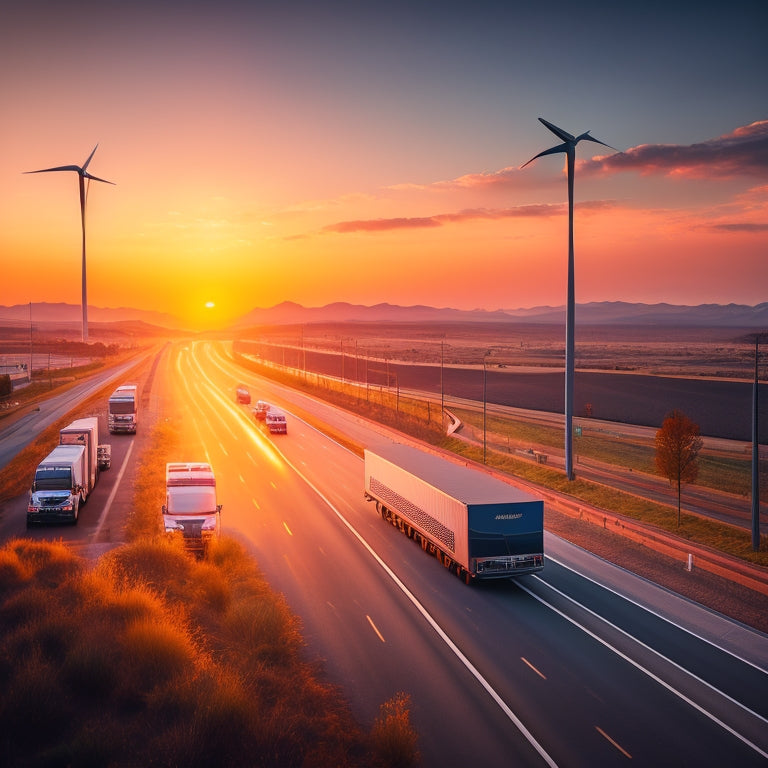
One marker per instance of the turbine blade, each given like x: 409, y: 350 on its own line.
x: 85, y: 164
x: 550, y: 151
x: 96, y: 178
x: 559, y: 132
x: 587, y: 137
x: 58, y: 168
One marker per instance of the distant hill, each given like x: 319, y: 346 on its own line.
x: 594, y: 313
x: 66, y: 315
x: 290, y: 313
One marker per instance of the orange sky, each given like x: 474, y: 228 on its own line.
x: 260, y: 162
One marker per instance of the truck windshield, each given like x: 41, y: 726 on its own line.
x: 53, y: 479
x: 122, y: 407
x: 191, y: 500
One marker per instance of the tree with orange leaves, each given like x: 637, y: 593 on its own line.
x: 677, y: 449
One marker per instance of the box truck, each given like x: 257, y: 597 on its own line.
x: 478, y: 526
x: 190, y: 503
x: 58, y: 488
x: 276, y: 422
x: 123, y: 409
x: 84, y: 432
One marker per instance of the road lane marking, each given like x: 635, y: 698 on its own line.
x: 656, y: 614
x: 112, y: 495
x: 614, y: 743
x: 441, y: 633
x: 256, y: 504
x: 285, y: 525
x: 528, y: 663
x: 641, y: 668
x: 375, y: 628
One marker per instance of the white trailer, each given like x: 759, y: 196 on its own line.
x: 85, y: 432
x: 190, y: 503
x: 58, y: 488
x: 123, y: 409
x: 477, y: 525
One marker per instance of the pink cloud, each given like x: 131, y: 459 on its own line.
x: 471, y: 214
x: 743, y: 152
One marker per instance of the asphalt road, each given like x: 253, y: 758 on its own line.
x: 583, y: 664
x: 554, y: 669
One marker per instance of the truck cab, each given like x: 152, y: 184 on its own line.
x: 190, y: 505
x: 58, y: 488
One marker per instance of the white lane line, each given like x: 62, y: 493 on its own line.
x: 656, y: 614
x: 430, y: 620
x: 285, y: 525
x: 639, y: 666
x: 111, y: 498
x: 375, y: 628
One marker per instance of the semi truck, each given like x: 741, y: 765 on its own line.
x: 84, y: 432
x: 276, y: 422
x: 59, y: 486
x: 478, y: 526
x: 123, y: 409
x: 190, y: 504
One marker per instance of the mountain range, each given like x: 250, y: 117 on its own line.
x: 290, y: 313
x: 594, y: 313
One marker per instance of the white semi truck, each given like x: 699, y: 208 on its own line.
x: 123, y: 409
x: 59, y: 486
x: 478, y: 526
x: 84, y: 432
x: 190, y: 504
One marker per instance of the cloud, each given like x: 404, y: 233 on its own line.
x: 746, y: 226
x: 471, y: 214
x: 743, y: 152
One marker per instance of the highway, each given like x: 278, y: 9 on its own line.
x: 581, y: 665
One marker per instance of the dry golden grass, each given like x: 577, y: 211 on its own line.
x: 153, y: 657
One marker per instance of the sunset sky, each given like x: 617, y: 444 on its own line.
x: 370, y: 152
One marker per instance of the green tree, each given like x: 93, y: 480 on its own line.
x: 677, y: 449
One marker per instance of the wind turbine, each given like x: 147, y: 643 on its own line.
x: 82, y: 174
x: 569, y: 148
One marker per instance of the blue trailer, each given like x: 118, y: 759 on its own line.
x: 477, y: 525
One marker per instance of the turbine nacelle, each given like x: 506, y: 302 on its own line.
x: 569, y: 141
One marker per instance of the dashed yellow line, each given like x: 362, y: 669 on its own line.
x: 608, y: 738
x: 375, y: 629
x: 528, y: 663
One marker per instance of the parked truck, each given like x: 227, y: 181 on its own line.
x: 190, y: 504
x: 479, y: 527
x: 123, y: 409
x: 59, y: 486
x: 84, y: 432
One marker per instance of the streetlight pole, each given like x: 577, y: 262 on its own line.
x: 755, y: 458
x: 485, y: 408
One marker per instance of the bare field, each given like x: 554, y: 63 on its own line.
x: 676, y: 351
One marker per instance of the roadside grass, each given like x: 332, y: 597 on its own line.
x: 151, y: 656
x: 722, y: 473
x: 731, y: 474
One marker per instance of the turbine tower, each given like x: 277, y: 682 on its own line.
x: 82, y: 174
x: 569, y: 148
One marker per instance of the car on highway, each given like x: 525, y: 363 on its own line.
x: 243, y: 395
x: 261, y: 410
